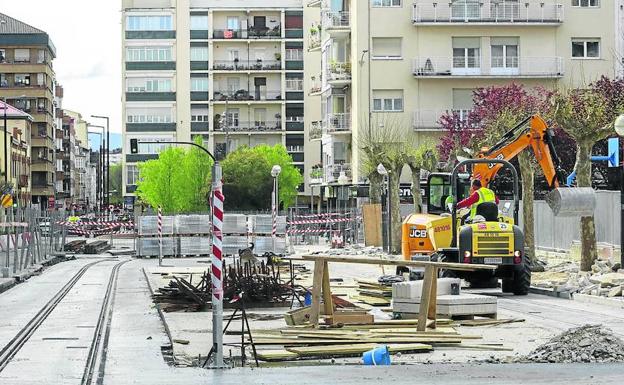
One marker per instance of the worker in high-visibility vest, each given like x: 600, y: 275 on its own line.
x: 478, y: 195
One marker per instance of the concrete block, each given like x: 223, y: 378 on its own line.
x: 451, y: 305
x: 413, y: 289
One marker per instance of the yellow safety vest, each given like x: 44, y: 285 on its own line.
x: 485, y: 195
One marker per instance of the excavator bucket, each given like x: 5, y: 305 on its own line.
x: 572, y: 201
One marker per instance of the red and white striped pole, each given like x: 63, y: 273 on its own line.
x: 217, y: 266
x: 160, y: 244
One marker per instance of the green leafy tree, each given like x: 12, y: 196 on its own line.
x: 115, y: 183
x: 161, y: 180
x: 247, y: 177
x: 196, y: 171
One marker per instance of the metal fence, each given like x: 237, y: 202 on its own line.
x: 28, y: 237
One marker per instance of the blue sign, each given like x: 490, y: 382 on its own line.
x: 614, y: 152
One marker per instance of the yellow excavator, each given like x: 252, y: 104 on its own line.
x: 492, y: 236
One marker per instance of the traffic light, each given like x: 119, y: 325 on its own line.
x: 134, y: 146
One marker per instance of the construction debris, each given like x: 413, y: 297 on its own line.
x: 76, y: 246
x: 96, y: 247
x: 588, y: 343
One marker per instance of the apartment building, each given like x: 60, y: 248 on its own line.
x: 27, y: 82
x: 72, y: 162
x: 230, y: 71
x: 415, y: 60
x: 18, y: 125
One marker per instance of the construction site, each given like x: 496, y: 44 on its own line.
x: 229, y: 293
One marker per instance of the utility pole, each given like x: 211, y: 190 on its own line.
x: 106, y: 179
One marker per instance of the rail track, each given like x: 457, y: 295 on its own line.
x: 101, y: 333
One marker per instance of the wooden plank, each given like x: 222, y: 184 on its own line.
x: 354, y: 349
x: 426, y: 298
x: 371, y: 215
x: 433, y: 300
x: 276, y: 355
x: 328, y: 303
x: 397, y: 262
x: 298, y: 316
x: 480, y: 347
x: 374, y: 301
x: 317, y: 282
x: 376, y: 340
x: 353, y: 319
x: 489, y: 322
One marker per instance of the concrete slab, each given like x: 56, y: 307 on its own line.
x: 451, y: 305
x: 413, y: 289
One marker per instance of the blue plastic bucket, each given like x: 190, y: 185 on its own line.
x: 308, y: 298
x: 378, y: 356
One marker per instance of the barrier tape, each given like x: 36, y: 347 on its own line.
x: 91, y: 223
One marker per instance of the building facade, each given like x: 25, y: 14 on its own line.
x: 17, y: 147
x: 412, y: 61
x: 72, y: 163
x: 27, y: 82
x: 230, y: 71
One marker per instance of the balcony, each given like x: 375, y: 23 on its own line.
x: 337, y: 124
x: 316, y: 130
x: 23, y: 181
x: 249, y: 33
x: 243, y: 95
x: 427, y: 120
x: 336, y: 22
x: 247, y: 65
x: 472, y: 12
x: 332, y: 172
x: 41, y: 165
x: 314, y: 41
x: 473, y: 67
x: 339, y: 73
x: 251, y: 126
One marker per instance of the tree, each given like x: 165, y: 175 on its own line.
x: 247, y: 177
x: 161, y: 180
x: 179, y: 180
x: 115, y: 181
x: 422, y: 157
x: 496, y: 110
x: 384, y: 142
x: 587, y: 115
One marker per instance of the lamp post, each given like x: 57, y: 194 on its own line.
x: 619, y: 128
x: 342, y: 181
x: 106, y: 175
x: 382, y: 171
x: 100, y: 179
x: 275, y: 171
x: 6, y: 142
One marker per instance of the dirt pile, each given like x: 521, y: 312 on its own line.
x: 588, y: 343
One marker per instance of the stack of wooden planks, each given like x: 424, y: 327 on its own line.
x: 353, y: 340
x: 373, y: 293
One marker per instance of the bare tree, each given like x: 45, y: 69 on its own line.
x: 421, y: 157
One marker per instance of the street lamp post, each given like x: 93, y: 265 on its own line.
x: 106, y: 179
x: 100, y: 183
x: 275, y: 171
x: 6, y: 142
x: 619, y: 128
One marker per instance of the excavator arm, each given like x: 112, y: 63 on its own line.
x: 532, y: 132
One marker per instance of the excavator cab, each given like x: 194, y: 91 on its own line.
x: 438, y: 190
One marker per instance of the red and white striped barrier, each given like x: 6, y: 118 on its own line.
x: 320, y: 221
x: 92, y: 223
x: 217, y: 243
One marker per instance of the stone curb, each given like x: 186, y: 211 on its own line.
x: 550, y: 292
x: 586, y: 298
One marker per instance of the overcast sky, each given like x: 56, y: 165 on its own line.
x: 87, y: 36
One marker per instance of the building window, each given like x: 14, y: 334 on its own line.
x: 149, y: 23
x: 466, y: 55
x: 586, y: 3
x: 148, y: 85
x: 504, y: 52
x: 199, y: 84
x: 143, y: 54
x: 386, y: 3
x: 462, y: 102
x: 387, y: 100
x: 199, y: 53
x: 22, y: 80
x: 22, y: 55
x: 149, y: 115
x: 232, y: 23
x: 387, y: 48
x: 199, y: 22
x: 199, y: 113
x: 294, y: 85
x: 294, y: 54
x: 294, y: 22
x: 586, y: 48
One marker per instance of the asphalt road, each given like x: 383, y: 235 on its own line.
x: 57, y: 351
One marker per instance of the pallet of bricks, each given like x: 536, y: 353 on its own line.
x: 147, y: 242
x: 262, y: 234
x: 194, y: 235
